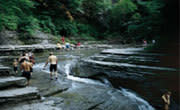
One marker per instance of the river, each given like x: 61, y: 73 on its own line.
x: 148, y: 92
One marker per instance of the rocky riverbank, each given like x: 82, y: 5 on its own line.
x: 17, y: 49
x: 66, y: 94
x: 74, y: 93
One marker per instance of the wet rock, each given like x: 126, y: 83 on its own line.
x: 91, y: 97
x: 12, y: 81
x: 4, y: 71
x: 91, y: 68
x: 125, y: 59
x: 9, y: 37
x: 18, y: 94
x: 48, y: 87
x: 36, y: 105
x: 16, y: 49
x: 129, y: 51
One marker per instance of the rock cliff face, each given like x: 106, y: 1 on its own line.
x: 9, y: 38
x: 13, y: 38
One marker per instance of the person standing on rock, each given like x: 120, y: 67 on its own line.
x: 53, y: 65
x: 166, y: 100
x: 26, y: 68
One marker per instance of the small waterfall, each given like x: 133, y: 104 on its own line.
x: 67, y: 70
x: 105, y: 81
x: 142, y: 104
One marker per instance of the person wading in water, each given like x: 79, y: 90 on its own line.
x: 15, y: 66
x: 25, y: 68
x: 53, y: 65
x: 166, y: 100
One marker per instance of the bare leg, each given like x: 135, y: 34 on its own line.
x: 56, y: 74
x: 166, y: 107
x: 28, y: 82
x: 51, y: 75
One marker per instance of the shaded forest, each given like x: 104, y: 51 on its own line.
x: 130, y: 20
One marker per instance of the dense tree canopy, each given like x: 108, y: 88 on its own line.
x: 131, y: 19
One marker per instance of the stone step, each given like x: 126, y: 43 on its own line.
x: 129, y: 52
x: 112, y: 64
x: 18, y: 94
x: 7, y: 58
x: 12, y: 81
x: 126, y: 59
x: 4, y: 71
x: 92, y: 68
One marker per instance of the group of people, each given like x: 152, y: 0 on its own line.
x: 26, y: 62
x: 67, y: 45
x: 145, y: 42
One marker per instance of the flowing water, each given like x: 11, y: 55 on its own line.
x: 69, y: 60
x: 146, y: 92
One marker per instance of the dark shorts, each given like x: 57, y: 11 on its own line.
x: 53, y: 67
x: 27, y: 75
x: 15, y: 68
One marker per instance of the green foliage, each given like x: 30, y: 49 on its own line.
x: 47, y: 25
x: 88, y: 19
x: 9, y: 21
x: 16, y: 13
x: 121, y: 13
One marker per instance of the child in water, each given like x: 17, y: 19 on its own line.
x: 15, y: 66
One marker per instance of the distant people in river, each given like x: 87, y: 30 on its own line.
x: 26, y: 70
x: 67, y: 45
x: 52, y: 59
x: 144, y: 43
x: 15, y: 66
x: 63, y: 39
x: 59, y: 46
x: 78, y: 44
x: 166, y: 99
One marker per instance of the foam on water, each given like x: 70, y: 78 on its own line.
x: 67, y: 68
x: 144, y: 104
x: 84, y: 80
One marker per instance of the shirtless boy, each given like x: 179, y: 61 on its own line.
x: 15, y: 65
x: 26, y: 67
x: 166, y: 99
x: 53, y: 64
